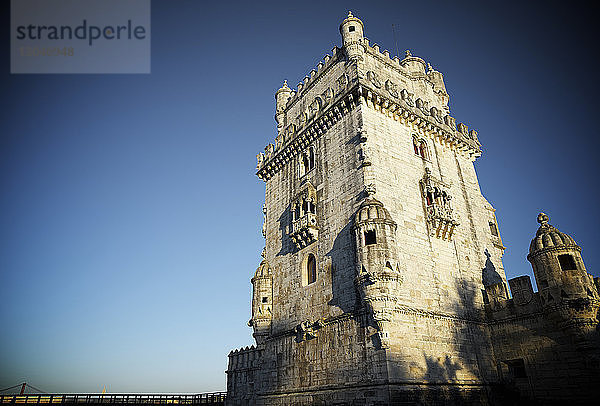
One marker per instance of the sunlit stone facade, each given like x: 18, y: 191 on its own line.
x: 382, y: 279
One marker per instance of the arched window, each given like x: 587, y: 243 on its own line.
x: 429, y: 198
x: 416, y: 145
x: 311, y: 269
x: 307, y: 161
x: 305, y: 168
x: 423, y: 149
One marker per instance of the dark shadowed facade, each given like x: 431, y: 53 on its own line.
x: 382, y: 279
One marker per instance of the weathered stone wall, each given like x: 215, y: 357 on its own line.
x: 419, y: 312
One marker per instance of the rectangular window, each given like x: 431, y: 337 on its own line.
x: 516, y: 368
x: 265, y: 299
x: 370, y: 237
x: 567, y: 263
x: 493, y: 229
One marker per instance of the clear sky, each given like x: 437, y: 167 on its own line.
x: 130, y: 214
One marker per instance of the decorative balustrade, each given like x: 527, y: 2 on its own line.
x: 305, y: 230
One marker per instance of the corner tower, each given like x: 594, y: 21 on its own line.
x: 378, y: 240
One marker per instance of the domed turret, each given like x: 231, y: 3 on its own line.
x: 262, y: 302
x: 352, y: 37
x: 558, y: 267
x: 438, y: 85
x: 378, y: 276
x: 549, y: 237
x: 281, y: 98
x: 414, y: 64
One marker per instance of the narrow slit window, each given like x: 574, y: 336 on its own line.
x: 370, y: 237
x: 423, y: 149
x: 311, y: 269
x: 416, y: 146
x: 493, y: 229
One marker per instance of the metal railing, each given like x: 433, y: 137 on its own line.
x: 215, y: 398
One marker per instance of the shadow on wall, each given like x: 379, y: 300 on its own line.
x: 287, y: 245
x: 489, y: 274
x: 464, y: 354
x: 343, y: 271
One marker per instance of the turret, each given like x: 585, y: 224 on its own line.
x: 378, y: 273
x: 262, y: 302
x: 352, y: 37
x: 563, y: 282
x: 439, y: 87
x: 413, y: 64
x: 281, y: 98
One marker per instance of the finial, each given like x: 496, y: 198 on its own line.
x: 285, y: 83
x: 407, y: 53
x: 429, y: 68
x: 370, y: 189
x: 349, y: 14
x: 542, y: 218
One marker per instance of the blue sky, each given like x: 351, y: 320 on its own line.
x: 130, y: 214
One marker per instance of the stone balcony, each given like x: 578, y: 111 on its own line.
x: 440, y: 221
x: 305, y: 230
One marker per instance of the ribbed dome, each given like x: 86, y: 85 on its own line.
x: 548, y: 236
x: 372, y: 209
x: 263, y: 270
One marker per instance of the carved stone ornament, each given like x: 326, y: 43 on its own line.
x: 372, y: 76
x: 342, y: 83
x: 407, y: 97
x: 439, y: 213
x: 392, y: 88
x: 327, y: 96
x: 307, y: 330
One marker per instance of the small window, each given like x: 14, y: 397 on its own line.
x: 493, y: 229
x: 516, y: 368
x: 265, y: 299
x: 351, y: 28
x: 423, y: 149
x: 429, y: 199
x: 567, y: 262
x: 370, y: 237
x: 311, y: 269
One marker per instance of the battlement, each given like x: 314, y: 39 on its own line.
x: 244, y: 358
x: 303, y: 86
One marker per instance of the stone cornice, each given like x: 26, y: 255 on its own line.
x: 400, y: 109
x: 568, y: 247
x: 274, y: 159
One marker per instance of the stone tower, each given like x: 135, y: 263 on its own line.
x: 381, y: 254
